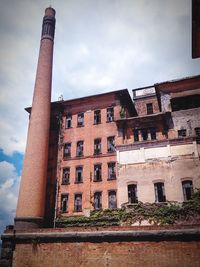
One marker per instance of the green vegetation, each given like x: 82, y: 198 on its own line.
x: 156, y: 213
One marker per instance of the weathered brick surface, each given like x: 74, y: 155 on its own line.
x: 137, y: 254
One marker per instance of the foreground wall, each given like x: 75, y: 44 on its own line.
x: 135, y: 254
x: 166, y: 246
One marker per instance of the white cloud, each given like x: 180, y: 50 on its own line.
x: 9, y: 184
x: 99, y: 46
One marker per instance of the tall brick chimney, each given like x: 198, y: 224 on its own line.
x: 31, y: 201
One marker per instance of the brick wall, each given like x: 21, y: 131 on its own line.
x: 137, y: 254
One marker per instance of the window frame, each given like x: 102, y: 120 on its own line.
x: 97, y: 116
x: 67, y: 155
x: 132, y: 194
x: 64, y: 197
x: 149, y: 108
x: 99, y: 200
x: 78, y: 169
x: 68, y: 119
x: 111, y: 145
x: 186, y: 194
x: 80, y: 123
x: 66, y: 180
x: 97, y: 146
x: 99, y: 179
x: 159, y: 189
x: 114, y: 205
x: 79, y: 145
x: 110, y: 114
x: 78, y: 207
x: 110, y: 165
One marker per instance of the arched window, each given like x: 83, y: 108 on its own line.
x: 187, y: 189
x: 132, y: 193
x: 159, y: 192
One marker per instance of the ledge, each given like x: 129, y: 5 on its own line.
x: 105, y: 236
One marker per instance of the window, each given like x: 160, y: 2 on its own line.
x: 197, y: 131
x: 153, y: 133
x: 111, y: 171
x: 149, y: 108
x: 159, y: 192
x: 144, y: 134
x: 112, y: 200
x: 97, y: 172
x: 68, y: 120
x: 79, y: 149
x: 97, y: 200
x: 97, y: 146
x: 79, y: 174
x: 97, y: 116
x: 136, y: 135
x: 132, y: 193
x: 65, y: 175
x: 182, y: 133
x: 78, y: 202
x: 187, y: 189
x: 80, y: 119
x: 110, y: 114
x: 111, y: 144
x: 64, y: 202
x: 67, y: 150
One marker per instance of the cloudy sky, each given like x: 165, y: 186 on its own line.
x: 100, y: 45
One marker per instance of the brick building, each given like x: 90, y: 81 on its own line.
x: 159, y: 158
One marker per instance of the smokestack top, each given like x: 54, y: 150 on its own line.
x: 49, y: 11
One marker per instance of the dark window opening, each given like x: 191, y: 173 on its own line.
x: 79, y: 151
x: 97, y: 146
x: 68, y: 120
x: 110, y: 114
x: 186, y: 102
x: 97, y: 116
x: 197, y: 131
x: 182, y: 133
x: 144, y: 133
x: 149, y: 108
x: 66, y: 176
x: 97, y: 173
x: 79, y: 174
x: 132, y: 193
x: 67, y: 150
x: 64, y: 202
x: 97, y: 200
x: 78, y: 202
x: 159, y: 192
x: 153, y: 133
x: 112, y: 200
x: 136, y: 135
x: 80, y: 119
x: 111, y: 144
x: 111, y: 171
x: 187, y: 189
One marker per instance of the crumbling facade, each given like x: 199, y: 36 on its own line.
x: 159, y: 160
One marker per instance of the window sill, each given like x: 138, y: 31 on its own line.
x: 97, y: 123
x: 68, y: 128
x: 67, y: 158
x: 80, y: 126
x: 77, y: 210
x: 111, y: 179
x: 65, y: 183
x: 79, y: 182
x: 110, y: 121
x: 96, y: 181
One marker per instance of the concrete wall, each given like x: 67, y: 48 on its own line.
x: 146, y: 166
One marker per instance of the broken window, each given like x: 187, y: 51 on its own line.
x: 64, y: 202
x: 136, y: 135
x: 111, y: 171
x: 68, y: 120
x: 182, y: 133
x: 110, y: 114
x: 187, y: 189
x: 97, y: 146
x: 79, y: 149
x: 159, y: 192
x: 153, y: 133
x: 185, y: 102
x: 66, y: 175
x: 67, y: 150
x: 111, y: 144
x: 97, y: 200
x: 80, y: 119
x: 144, y: 133
x: 97, y: 116
x: 79, y: 174
x: 132, y: 193
x: 149, y: 108
x: 112, y: 200
x: 197, y: 131
x: 78, y: 202
x: 97, y: 172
